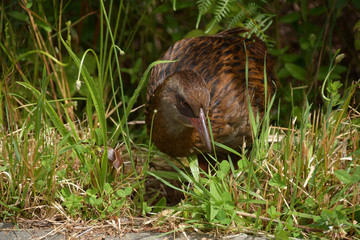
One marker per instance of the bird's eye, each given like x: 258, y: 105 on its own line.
x: 185, y: 104
x: 185, y: 108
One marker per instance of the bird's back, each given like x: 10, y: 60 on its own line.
x: 216, y: 58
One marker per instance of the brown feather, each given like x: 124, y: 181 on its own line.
x: 209, y: 73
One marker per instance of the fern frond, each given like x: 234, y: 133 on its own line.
x: 259, y: 24
x: 203, y: 7
x: 239, y: 17
x: 249, y: 14
x: 222, y: 10
x: 252, y: 8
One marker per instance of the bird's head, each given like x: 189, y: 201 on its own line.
x: 185, y: 103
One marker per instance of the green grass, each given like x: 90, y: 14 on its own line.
x: 300, y: 179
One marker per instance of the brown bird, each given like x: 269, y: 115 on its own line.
x: 208, y: 79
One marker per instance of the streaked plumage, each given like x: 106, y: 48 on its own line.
x: 209, y: 75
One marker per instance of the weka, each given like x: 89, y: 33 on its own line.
x: 208, y: 79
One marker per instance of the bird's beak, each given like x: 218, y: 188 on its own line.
x: 200, y: 125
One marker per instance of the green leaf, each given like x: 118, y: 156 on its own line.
x: 107, y: 187
x: 128, y: 191
x: 224, y: 167
x: 160, y: 205
x: 221, y: 215
x: 146, y: 208
x: 92, y: 192
x: 339, y: 69
x: 317, y: 10
x: 273, y: 213
x: 304, y: 43
x: 290, y: 58
x: 227, y: 148
x: 296, y: 71
x: 4, y: 168
x: 226, y: 197
x: 123, y: 193
x: 283, y: 73
x: 194, y: 33
x: 309, y: 202
x: 282, y: 235
x: 43, y: 25
x: 343, y: 176
x: 355, y: 178
x: 18, y: 15
x: 242, y: 164
x: 95, y: 201
x: 29, y: 4
x: 290, y: 18
x: 213, y: 190
x: 167, y: 174
x: 335, y: 74
x: 276, y: 181
x: 163, y: 8
x: 213, y: 212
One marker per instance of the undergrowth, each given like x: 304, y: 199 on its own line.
x: 297, y: 181
x: 72, y: 142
